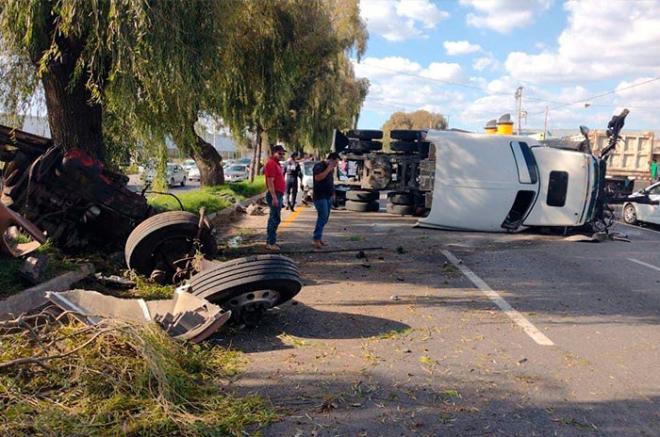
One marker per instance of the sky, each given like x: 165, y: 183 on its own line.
x: 583, y: 60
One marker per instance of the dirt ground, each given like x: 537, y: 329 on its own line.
x: 389, y: 338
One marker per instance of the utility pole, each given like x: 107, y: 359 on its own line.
x: 545, y: 125
x: 518, y: 96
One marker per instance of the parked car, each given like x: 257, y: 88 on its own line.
x: 236, y: 172
x: 307, y: 184
x: 188, y: 164
x: 174, y: 173
x: 648, y: 210
x: 193, y: 174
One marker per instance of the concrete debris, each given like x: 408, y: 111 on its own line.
x: 255, y: 209
x: 34, y: 268
x: 185, y: 317
x: 239, y: 208
x: 35, y: 297
x: 114, y: 281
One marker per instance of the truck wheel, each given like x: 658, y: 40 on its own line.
x: 403, y: 146
x: 394, y: 209
x: 183, y: 182
x: 400, y: 198
x: 172, y: 182
x: 163, y: 241
x: 249, y: 286
x: 630, y: 214
x: 406, y: 135
x: 362, y: 195
x: 365, y: 134
x: 357, y: 206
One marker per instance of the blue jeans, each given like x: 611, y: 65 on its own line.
x: 323, y: 207
x: 274, y: 218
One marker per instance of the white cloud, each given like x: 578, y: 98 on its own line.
x: 400, y: 84
x: 504, y: 15
x: 460, y: 47
x: 399, y: 20
x: 485, y: 62
x: 603, y: 39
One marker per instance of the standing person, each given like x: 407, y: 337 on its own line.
x: 274, y: 197
x: 654, y: 170
x: 324, y: 191
x: 293, y: 173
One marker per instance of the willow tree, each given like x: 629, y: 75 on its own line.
x: 328, y: 95
x: 138, y: 60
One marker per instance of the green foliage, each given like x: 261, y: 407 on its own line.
x: 421, y: 119
x: 128, y: 380
x: 213, y: 198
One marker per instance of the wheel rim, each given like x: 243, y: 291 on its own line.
x: 629, y: 214
x: 249, y: 307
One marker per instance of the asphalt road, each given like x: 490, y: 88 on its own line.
x: 450, y: 333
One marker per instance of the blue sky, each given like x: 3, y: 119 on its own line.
x: 466, y: 58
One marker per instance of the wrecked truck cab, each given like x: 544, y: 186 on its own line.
x: 499, y: 183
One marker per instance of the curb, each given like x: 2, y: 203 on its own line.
x: 243, y: 203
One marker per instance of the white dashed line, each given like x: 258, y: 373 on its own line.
x: 514, y: 315
x: 642, y: 263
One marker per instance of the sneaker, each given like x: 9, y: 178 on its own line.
x: 293, y: 209
x: 318, y: 245
x: 273, y: 247
x: 323, y: 243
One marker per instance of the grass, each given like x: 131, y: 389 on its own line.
x: 213, y: 198
x: 10, y: 279
x: 126, y: 380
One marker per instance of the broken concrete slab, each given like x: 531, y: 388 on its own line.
x: 35, y: 297
x: 185, y: 317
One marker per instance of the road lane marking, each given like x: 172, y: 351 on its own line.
x: 514, y: 315
x: 291, y: 218
x: 642, y: 263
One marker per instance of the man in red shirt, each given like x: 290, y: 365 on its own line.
x: 274, y: 197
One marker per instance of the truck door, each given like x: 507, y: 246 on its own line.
x: 565, y: 182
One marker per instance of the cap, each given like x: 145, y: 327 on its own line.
x: 277, y: 148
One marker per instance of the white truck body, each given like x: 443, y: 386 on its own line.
x: 499, y: 183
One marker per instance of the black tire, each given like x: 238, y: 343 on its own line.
x: 403, y: 146
x: 630, y: 214
x: 406, y: 135
x: 353, y: 205
x: 172, y: 182
x: 423, y: 148
x: 362, y: 195
x: 225, y: 281
x: 365, y: 134
x: 392, y: 208
x: 183, y: 182
x: 400, y: 198
x: 164, y: 238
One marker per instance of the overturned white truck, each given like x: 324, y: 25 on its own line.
x: 493, y: 183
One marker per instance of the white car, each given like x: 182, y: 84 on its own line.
x: 188, y: 164
x: 193, y: 174
x: 236, y: 173
x: 634, y: 212
x: 307, y: 183
x: 175, y: 175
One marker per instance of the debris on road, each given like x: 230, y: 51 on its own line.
x: 184, y: 317
x: 34, y: 298
x: 11, y: 223
x: 255, y: 209
x: 34, y: 268
x: 114, y: 281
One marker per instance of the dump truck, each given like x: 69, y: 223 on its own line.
x: 462, y: 180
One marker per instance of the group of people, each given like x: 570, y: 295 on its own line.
x: 285, y: 180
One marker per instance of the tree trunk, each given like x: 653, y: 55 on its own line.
x: 74, y: 120
x: 256, y: 155
x: 209, y: 163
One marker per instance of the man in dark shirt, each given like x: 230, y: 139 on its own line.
x: 292, y: 172
x: 324, y: 190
